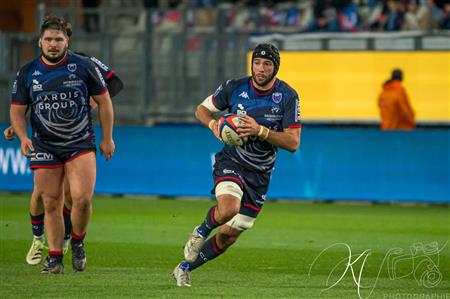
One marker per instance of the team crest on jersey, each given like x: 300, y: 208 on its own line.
x: 277, y: 96
x: 36, y: 73
x: 72, y: 67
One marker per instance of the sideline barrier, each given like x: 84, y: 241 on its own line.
x: 332, y: 164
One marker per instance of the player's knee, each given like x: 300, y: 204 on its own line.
x: 241, y: 222
x: 81, y: 201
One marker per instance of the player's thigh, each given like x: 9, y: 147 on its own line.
x: 81, y: 174
x: 48, y: 182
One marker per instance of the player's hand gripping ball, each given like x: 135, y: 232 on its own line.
x: 228, y: 125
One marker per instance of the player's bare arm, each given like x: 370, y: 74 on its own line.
x: 206, y: 117
x: 106, y: 117
x: 289, y: 139
x: 19, y: 125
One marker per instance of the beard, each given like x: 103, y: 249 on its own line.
x: 265, y: 82
x: 54, y: 59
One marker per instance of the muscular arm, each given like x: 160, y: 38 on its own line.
x: 206, y: 117
x: 19, y: 125
x: 106, y: 117
x: 289, y: 139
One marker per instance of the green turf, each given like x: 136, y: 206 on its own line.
x: 134, y: 244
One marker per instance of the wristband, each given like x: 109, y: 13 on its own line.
x: 263, y: 132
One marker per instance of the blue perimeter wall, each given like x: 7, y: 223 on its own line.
x: 332, y: 164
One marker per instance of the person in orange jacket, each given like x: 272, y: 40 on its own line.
x: 395, y: 109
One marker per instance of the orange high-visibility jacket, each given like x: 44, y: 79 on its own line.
x: 396, y: 112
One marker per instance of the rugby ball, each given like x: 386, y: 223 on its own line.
x: 228, y: 125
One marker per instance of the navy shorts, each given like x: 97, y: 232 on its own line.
x: 49, y: 156
x: 253, y: 184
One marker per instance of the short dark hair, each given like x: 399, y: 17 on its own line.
x: 57, y: 23
x: 397, y: 74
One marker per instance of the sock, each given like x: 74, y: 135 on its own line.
x: 37, y: 225
x: 208, y: 224
x: 209, y: 251
x: 77, y: 238
x: 67, y: 223
x: 58, y: 255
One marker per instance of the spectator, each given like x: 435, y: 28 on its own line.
x: 395, y: 109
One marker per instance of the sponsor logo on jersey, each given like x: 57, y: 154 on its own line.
x: 42, y: 157
x: 56, y: 101
x: 277, y: 96
x: 244, y: 95
x: 72, y: 67
x: 100, y: 76
x: 36, y: 73
x: 297, y: 110
x: 100, y: 64
x: 14, y: 87
x: 241, y: 110
x: 228, y: 171
x: 36, y: 85
x: 219, y: 89
x: 275, y: 110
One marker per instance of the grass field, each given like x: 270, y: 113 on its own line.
x: 133, y: 244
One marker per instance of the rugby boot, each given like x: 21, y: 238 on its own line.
x: 78, y: 256
x: 193, y: 246
x: 66, y: 245
x: 34, y: 255
x: 182, y: 276
x: 52, y: 265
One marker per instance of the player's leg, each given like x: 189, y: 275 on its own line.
x: 81, y: 173
x: 34, y: 255
x: 48, y: 182
x: 228, y: 194
x: 213, y: 247
x: 66, y: 214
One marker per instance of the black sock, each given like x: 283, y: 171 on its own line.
x: 209, y: 251
x: 67, y: 223
x: 37, y: 225
x: 58, y: 255
x: 208, y: 224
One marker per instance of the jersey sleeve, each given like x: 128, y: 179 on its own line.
x: 221, y: 97
x: 95, y: 82
x: 106, y: 71
x: 291, y: 118
x: 19, y: 93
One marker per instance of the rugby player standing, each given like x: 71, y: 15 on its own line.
x: 57, y: 86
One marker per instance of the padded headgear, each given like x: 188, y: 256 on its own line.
x: 268, y: 51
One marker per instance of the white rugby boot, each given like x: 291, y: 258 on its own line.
x: 193, y: 246
x: 34, y: 255
x: 183, y: 277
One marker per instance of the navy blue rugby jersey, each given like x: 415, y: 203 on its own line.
x: 277, y: 109
x: 59, y: 98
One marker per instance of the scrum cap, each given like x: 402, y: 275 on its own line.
x: 267, y: 51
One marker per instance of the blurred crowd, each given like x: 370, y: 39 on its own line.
x: 291, y: 16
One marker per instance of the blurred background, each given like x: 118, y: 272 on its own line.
x: 336, y: 53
